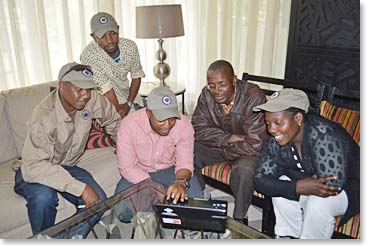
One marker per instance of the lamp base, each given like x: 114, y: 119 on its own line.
x: 164, y: 84
x: 161, y: 71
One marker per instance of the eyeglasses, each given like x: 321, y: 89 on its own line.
x: 87, y: 71
x: 220, y: 86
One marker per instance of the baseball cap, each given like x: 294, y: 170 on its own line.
x: 284, y: 99
x: 78, y: 74
x: 163, y: 103
x: 103, y: 22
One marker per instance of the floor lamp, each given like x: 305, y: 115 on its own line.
x: 159, y: 21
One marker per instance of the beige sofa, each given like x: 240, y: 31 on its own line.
x: 15, y: 107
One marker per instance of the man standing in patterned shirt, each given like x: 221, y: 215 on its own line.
x: 111, y: 59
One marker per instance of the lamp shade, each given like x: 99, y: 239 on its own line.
x: 159, y: 21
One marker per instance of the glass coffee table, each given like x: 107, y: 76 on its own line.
x: 140, y: 200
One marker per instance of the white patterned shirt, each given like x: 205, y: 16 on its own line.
x: 109, y: 74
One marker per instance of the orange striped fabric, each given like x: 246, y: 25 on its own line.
x: 98, y: 138
x: 347, y: 118
x: 351, y: 228
x: 350, y: 120
x: 221, y: 171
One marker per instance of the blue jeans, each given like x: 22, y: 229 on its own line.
x: 166, y: 177
x: 42, y: 201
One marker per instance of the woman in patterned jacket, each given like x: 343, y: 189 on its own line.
x: 309, y: 166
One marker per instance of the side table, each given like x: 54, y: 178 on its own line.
x: 146, y: 87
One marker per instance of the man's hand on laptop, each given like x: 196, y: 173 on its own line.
x: 177, y: 191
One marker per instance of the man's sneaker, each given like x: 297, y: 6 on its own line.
x: 215, y: 235
x: 226, y: 235
x: 188, y: 234
x: 111, y: 228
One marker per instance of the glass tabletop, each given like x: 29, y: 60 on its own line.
x: 141, y: 221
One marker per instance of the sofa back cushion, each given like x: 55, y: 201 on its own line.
x: 347, y: 118
x: 350, y: 120
x: 19, y: 105
x: 7, y: 149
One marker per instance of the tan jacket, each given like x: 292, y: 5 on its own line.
x: 53, y: 140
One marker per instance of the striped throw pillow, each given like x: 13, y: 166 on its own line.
x: 98, y: 138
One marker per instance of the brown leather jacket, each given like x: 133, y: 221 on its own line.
x: 213, y: 128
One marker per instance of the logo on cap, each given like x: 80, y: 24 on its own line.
x: 166, y: 100
x: 86, y: 73
x: 85, y: 114
x: 274, y: 95
x: 103, y: 20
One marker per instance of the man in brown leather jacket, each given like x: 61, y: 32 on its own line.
x: 226, y: 128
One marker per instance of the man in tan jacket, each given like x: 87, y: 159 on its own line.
x: 56, y: 140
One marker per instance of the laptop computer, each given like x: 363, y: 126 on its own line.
x: 194, y: 214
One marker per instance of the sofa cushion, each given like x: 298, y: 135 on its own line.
x: 19, y: 105
x: 347, y: 118
x: 221, y: 171
x: 102, y: 164
x: 13, y: 212
x: 351, y: 228
x: 7, y: 150
x: 350, y: 120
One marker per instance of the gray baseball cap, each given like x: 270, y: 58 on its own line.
x: 78, y: 74
x: 103, y: 22
x: 163, y: 103
x: 284, y: 99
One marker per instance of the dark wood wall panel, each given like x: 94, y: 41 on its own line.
x: 332, y: 70
x: 324, y: 43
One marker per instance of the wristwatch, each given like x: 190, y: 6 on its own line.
x: 185, y: 182
x: 131, y: 104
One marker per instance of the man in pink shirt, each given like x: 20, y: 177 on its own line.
x: 157, y: 142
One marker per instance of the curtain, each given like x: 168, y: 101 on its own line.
x: 39, y: 36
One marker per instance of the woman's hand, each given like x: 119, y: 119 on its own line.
x: 317, y: 187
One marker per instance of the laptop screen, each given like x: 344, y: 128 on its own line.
x: 194, y: 214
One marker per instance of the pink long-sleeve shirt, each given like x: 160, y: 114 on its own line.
x: 140, y: 150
